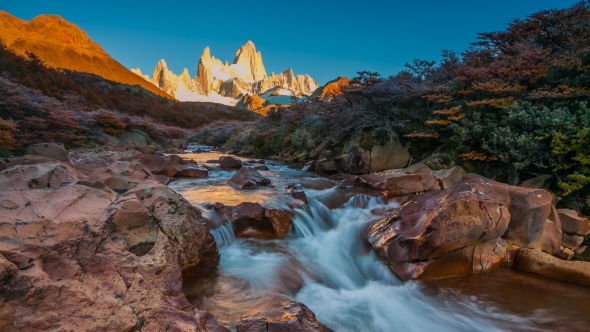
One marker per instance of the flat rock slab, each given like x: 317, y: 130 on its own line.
x: 543, y: 264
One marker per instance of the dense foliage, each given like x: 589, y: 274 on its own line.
x: 41, y: 104
x: 512, y: 106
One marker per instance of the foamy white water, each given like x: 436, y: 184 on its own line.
x: 325, y: 264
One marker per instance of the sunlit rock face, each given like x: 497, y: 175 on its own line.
x: 225, y: 83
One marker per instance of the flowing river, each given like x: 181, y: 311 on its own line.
x: 325, y: 264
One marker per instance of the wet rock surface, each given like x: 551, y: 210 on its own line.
x: 229, y: 162
x: 465, y: 229
x: 248, y: 178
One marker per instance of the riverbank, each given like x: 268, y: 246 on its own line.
x: 134, y: 241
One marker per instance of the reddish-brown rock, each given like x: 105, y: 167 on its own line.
x: 537, y: 262
x: 49, y: 150
x: 449, y: 177
x: 391, y: 185
x: 290, y: 316
x: 229, y: 162
x: 188, y: 171
x: 249, y: 220
x: 248, y: 178
x: 572, y: 241
x: 281, y: 221
x: 565, y: 254
x: 572, y: 223
x: 27, y: 160
x: 534, y: 221
x: 254, y: 221
x: 76, y: 257
x: 148, y: 149
x: 445, y: 233
x: 119, y: 175
x: 157, y: 163
x: 21, y: 177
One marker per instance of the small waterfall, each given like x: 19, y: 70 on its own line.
x: 222, y: 230
x: 224, y: 234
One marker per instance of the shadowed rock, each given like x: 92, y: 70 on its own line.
x: 229, y: 162
x: 248, y: 178
x: 49, y: 150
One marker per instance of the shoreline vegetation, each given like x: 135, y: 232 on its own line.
x: 512, y: 107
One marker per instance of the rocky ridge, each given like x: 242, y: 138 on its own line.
x: 225, y: 83
x: 61, y: 44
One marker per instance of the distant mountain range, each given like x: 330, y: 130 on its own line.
x: 243, y: 83
x: 61, y: 44
x: 229, y: 84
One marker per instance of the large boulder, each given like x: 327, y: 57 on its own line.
x: 534, y: 222
x: 248, y: 178
x: 445, y: 233
x: 229, y: 162
x: 49, y: 150
x: 288, y: 317
x: 76, y: 257
x: 136, y: 138
x: 392, y: 155
x: 537, y: 262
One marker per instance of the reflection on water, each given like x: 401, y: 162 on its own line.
x: 325, y: 264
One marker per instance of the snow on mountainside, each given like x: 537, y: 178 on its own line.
x: 224, y: 83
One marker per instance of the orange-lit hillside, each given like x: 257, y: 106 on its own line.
x: 61, y: 44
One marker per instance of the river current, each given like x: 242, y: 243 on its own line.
x: 325, y: 264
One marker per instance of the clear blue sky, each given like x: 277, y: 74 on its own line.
x: 323, y: 38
